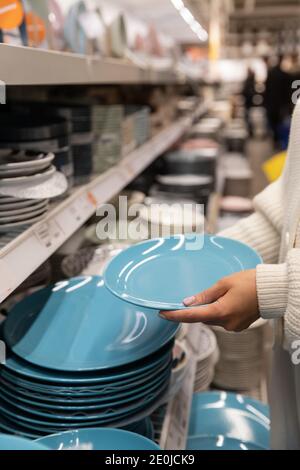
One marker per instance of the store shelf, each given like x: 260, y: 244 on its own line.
x: 28, y: 66
x: 25, y: 253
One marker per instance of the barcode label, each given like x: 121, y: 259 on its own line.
x: 49, y: 234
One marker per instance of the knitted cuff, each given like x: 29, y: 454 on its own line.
x: 272, y: 290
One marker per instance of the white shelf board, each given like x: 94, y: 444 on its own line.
x: 24, y: 254
x: 29, y: 66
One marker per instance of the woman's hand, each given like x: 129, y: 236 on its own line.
x: 230, y: 303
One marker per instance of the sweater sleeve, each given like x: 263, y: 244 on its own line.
x: 278, y: 288
x: 262, y: 230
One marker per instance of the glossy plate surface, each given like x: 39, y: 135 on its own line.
x: 213, y: 416
x: 8, y: 442
x: 98, y: 439
x: 219, y: 443
x: 90, y: 328
x: 231, y: 400
x: 161, y: 272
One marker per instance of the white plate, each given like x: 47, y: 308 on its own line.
x: 53, y: 185
x: 10, y: 212
x: 8, y: 227
x: 25, y: 180
x: 22, y: 217
x: 15, y: 204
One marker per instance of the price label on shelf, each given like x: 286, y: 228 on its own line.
x: 82, y: 208
x: 49, y: 234
x: 178, y: 413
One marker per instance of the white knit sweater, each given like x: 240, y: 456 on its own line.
x: 274, y: 231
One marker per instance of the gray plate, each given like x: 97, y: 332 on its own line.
x: 10, y: 210
x: 8, y: 227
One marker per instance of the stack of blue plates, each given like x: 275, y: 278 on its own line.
x: 226, y: 421
x: 97, y: 439
x: 80, y: 357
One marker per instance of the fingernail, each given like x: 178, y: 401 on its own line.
x: 162, y: 315
x: 189, y: 301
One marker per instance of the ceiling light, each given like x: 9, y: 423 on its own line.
x: 187, y: 16
x: 178, y: 4
x: 190, y: 20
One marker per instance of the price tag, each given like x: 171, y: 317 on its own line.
x: 178, y: 413
x: 49, y: 234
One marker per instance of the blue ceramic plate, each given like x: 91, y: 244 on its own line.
x: 160, y: 273
x: 230, y: 400
x: 219, y: 443
x: 57, y: 378
x: 98, y: 439
x: 65, y: 397
x: 46, y: 409
x: 7, y: 427
x: 71, y: 420
x: 218, y: 417
x: 51, y: 424
x: 90, y: 328
x: 8, y: 442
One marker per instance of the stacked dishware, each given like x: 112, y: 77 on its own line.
x: 197, y: 144
x: 235, y: 136
x: 227, y: 421
x: 232, y: 210
x: 98, y: 439
x: 141, y: 116
x: 207, y: 128
x: 181, y: 360
x: 206, y: 357
x: 110, y: 366
x: 107, y: 128
x: 60, y: 147
x: 27, y: 181
x: 187, y: 186
x: 24, y: 129
x: 242, y: 357
x: 198, y: 162
x: 237, y: 174
x: 81, y: 140
x: 236, y: 205
x: 162, y: 218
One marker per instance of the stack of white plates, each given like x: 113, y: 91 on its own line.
x: 29, y: 175
x: 170, y: 219
x: 78, y: 357
x: 207, y: 358
x: 27, y: 181
x: 242, y: 357
x: 20, y: 212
